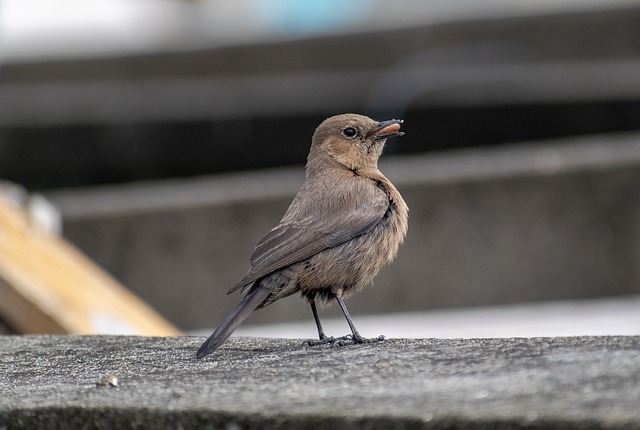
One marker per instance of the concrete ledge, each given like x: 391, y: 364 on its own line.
x: 57, y: 382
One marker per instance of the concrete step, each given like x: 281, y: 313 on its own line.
x: 599, y: 317
x: 461, y: 73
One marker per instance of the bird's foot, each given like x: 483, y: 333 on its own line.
x: 322, y: 341
x: 342, y: 341
x: 355, y: 340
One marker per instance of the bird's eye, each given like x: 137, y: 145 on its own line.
x: 349, y: 132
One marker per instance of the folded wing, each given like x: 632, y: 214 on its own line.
x: 293, y: 241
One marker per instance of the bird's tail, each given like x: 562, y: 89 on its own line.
x: 250, y: 302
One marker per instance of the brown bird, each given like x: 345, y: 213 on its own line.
x: 345, y: 223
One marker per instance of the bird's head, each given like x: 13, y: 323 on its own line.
x: 353, y: 141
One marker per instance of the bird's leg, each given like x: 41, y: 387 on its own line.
x: 355, y: 337
x: 349, y: 339
x: 316, y: 317
x: 322, y: 338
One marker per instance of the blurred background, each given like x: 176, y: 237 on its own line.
x: 171, y: 135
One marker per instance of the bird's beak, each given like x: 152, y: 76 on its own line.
x: 386, y: 129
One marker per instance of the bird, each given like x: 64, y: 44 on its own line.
x: 345, y: 223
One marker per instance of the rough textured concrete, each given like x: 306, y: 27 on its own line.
x: 555, y: 220
x: 58, y: 382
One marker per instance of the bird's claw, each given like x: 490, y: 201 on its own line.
x: 342, y: 341
x: 355, y: 340
x: 322, y: 341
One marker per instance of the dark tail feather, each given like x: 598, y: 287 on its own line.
x: 250, y: 302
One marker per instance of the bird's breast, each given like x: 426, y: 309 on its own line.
x: 352, y: 265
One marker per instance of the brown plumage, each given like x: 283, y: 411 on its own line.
x: 345, y: 223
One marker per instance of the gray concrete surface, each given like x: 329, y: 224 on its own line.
x: 60, y: 382
x: 546, y: 221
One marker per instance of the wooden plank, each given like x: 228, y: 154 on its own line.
x: 48, y: 286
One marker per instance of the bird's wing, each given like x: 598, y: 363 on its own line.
x: 290, y: 242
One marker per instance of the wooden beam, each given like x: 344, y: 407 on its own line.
x: 48, y: 286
